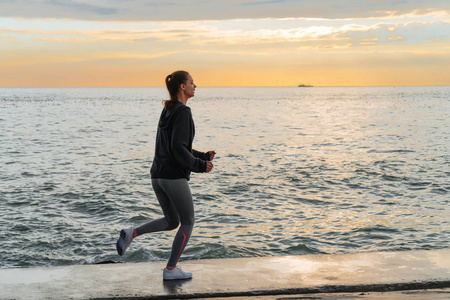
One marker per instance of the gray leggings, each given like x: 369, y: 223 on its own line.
x: 174, y: 196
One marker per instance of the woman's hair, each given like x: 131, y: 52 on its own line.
x: 173, y: 82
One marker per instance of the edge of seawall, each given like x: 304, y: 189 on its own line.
x: 231, y: 277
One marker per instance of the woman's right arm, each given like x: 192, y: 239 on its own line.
x: 181, y: 134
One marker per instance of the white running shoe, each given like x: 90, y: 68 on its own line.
x: 176, y: 273
x: 126, y: 236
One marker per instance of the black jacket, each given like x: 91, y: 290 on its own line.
x: 174, y: 156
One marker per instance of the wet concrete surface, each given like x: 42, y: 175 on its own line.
x: 276, y: 277
x: 435, y: 294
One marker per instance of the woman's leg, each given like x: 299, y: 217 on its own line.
x: 175, y: 198
x: 170, y: 220
x: 180, y: 196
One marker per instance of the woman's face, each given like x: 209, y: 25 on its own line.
x: 189, y: 87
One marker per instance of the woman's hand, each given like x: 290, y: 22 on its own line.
x: 212, y: 153
x: 209, y: 166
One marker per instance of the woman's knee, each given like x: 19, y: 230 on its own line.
x: 173, y: 224
x: 188, y: 221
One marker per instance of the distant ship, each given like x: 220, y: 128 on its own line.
x: 304, y: 85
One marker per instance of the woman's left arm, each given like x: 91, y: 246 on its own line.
x: 204, y: 155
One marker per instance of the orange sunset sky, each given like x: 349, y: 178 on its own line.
x: 224, y: 43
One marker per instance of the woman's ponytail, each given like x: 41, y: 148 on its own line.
x: 173, y: 82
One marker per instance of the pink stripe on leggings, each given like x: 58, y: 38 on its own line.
x: 182, y: 245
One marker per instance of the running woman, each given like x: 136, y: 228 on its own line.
x: 173, y: 163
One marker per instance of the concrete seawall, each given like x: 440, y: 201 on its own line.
x: 245, y: 277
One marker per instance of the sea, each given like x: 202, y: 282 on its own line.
x: 315, y: 170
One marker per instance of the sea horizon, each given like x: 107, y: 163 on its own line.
x: 237, y: 86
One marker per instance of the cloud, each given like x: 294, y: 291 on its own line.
x: 185, y: 10
x: 79, y: 6
x: 8, y: 39
x: 302, y: 32
x: 261, y: 36
x: 396, y: 38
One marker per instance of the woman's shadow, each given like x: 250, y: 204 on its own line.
x: 174, y: 287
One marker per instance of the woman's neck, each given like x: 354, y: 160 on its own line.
x: 182, y: 98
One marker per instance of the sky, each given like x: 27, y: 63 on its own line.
x: 224, y: 43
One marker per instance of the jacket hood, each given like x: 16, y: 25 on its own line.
x: 167, y: 115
